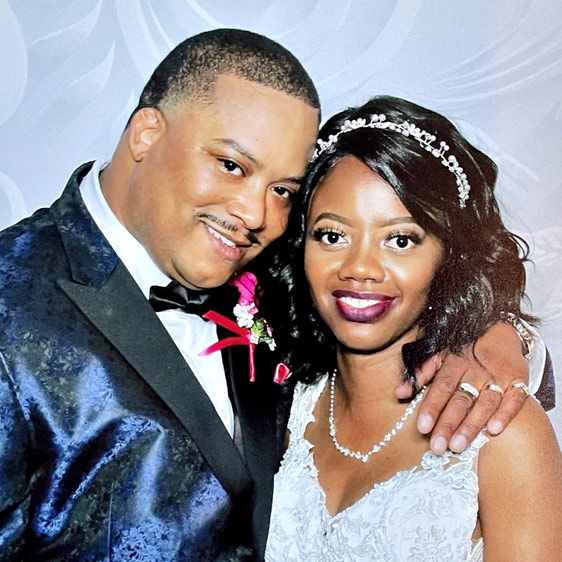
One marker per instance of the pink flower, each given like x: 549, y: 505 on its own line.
x: 249, y: 328
x: 246, y: 283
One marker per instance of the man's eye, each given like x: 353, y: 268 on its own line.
x: 283, y: 191
x: 231, y: 167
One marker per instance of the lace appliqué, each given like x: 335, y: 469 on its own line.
x: 425, y: 514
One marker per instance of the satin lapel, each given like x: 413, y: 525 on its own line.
x: 255, y: 404
x: 114, y: 309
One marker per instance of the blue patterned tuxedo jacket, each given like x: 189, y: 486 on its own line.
x: 109, y: 448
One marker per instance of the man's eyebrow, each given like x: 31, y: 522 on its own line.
x: 241, y: 150
x: 297, y: 181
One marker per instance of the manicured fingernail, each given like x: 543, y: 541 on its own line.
x: 494, y: 427
x: 438, y: 445
x: 458, y: 443
x: 425, y: 423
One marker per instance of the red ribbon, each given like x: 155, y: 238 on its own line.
x: 244, y: 337
x: 282, y: 373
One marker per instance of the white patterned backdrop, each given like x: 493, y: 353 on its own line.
x: 70, y: 73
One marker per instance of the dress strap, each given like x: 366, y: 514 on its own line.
x: 448, y: 458
x: 304, y: 399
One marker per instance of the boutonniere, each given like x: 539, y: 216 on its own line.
x: 246, y: 309
x: 250, y: 328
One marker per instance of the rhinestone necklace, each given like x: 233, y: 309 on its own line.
x: 376, y: 448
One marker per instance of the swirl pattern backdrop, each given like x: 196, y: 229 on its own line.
x: 72, y: 71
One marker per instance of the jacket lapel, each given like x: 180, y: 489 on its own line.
x: 256, y: 406
x: 108, y: 296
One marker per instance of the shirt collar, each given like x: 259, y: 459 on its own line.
x: 130, y: 251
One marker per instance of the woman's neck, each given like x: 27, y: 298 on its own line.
x: 365, y: 380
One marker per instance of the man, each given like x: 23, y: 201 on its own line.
x: 118, y: 440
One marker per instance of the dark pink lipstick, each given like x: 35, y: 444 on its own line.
x: 354, y: 308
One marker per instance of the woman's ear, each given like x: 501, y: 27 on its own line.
x: 147, y: 125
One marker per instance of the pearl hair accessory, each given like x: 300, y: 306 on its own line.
x: 425, y: 139
x: 376, y: 448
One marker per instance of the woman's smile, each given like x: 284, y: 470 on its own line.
x: 361, y: 307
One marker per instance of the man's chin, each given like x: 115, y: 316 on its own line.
x: 202, y: 282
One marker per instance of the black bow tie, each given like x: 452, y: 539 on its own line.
x: 176, y: 296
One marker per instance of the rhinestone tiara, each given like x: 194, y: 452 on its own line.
x: 425, y: 139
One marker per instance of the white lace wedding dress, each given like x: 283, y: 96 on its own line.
x: 426, y: 514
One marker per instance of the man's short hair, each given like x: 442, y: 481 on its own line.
x: 191, y: 69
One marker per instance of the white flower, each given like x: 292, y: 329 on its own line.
x: 244, y: 316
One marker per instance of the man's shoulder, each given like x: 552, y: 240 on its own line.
x: 39, y: 230
x: 29, y: 244
x: 37, y: 221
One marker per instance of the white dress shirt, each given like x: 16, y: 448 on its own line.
x: 190, y: 333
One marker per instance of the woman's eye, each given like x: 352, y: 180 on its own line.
x: 231, y: 167
x: 332, y: 237
x: 329, y: 237
x: 401, y: 242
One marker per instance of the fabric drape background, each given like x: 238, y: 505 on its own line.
x: 70, y: 74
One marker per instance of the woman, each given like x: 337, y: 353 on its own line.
x: 405, y: 255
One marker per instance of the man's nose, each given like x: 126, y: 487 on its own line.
x: 249, y: 206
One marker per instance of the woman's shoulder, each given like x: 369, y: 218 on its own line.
x: 530, y: 436
x: 523, y: 461
x: 520, y: 482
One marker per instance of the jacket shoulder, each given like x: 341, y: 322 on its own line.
x: 31, y: 258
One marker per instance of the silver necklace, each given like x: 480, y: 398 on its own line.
x: 376, y: 448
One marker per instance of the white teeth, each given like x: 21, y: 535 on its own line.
x: 220, y: 237
x: 358, y: 303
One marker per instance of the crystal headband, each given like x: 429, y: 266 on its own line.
x: 426, y: 140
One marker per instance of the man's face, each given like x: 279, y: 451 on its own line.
x: 213, y: 187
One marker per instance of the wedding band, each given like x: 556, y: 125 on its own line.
x: 469, y: 389
x: 495, y: 388
x: 522, y: 386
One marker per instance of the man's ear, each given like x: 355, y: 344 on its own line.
x: 147, y: 125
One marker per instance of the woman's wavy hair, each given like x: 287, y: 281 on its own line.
x: 481, y: 274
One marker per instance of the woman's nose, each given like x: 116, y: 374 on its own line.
x: 363, y: 263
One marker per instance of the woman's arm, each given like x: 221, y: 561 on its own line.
x: 520, y: 477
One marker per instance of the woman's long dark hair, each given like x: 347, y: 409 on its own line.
x: 481, y: 274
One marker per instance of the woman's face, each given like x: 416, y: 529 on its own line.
x: 368, y: 263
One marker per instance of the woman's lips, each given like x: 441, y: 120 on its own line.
x: 361, y: 307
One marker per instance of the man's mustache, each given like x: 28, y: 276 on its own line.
x: 250, y: 236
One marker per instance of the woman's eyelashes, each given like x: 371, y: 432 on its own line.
x: 396, y: 240
x: 329, y: 236
x: 403, y: 240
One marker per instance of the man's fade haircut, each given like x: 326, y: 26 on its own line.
x: 190, y: 70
